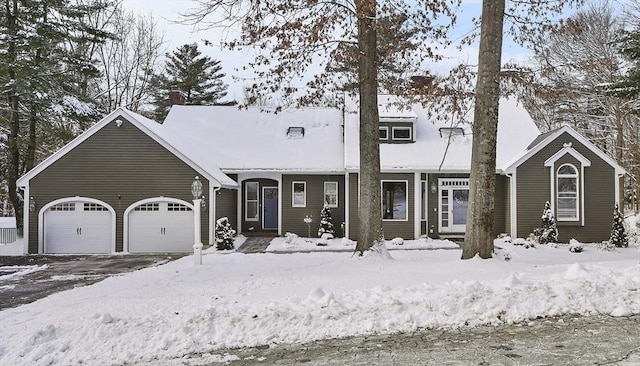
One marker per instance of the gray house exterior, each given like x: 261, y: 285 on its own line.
x: 124, y: 184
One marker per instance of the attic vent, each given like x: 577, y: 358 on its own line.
x: 295, y: 132
x: 453, y: 131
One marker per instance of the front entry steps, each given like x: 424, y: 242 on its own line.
x: 255, y: 244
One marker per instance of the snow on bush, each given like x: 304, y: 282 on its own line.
x: 225, y: 234
x: 326, y: 222
x: 348, y: 242
x: 548, y: 233
x: 575, y: 246
x: 290, y: 238
x: 397, y: 241
x: 618, y: 234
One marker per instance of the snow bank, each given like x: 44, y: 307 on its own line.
x: 237, y: 300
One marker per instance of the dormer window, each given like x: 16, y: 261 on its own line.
x: 451, y: 131
x: 401, y: 133
x: 295, y: 132
x: 384, y: 133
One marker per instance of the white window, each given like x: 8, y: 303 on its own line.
x: 331, y: 193
x: 567, y: 193
x: 401, y: 133
x: 299, y: 198
x: 384, y: 132
x: 251, y: 201
x: 394, y: 200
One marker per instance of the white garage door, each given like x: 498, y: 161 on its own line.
x: 78, y: 227
x: 161, y: 227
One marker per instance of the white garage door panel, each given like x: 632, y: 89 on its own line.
x: 161, y: 227
x: 77, y: 227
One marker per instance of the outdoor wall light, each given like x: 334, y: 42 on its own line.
x: 118, y: 122
x: 196, y: 188
x: 32, y: 204
x: 434, y: 187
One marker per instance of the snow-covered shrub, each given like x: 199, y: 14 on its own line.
x: 548, y: 233
x: 290, y: 238
x: 397, y: 241
x: 575, y: 246
x: 606, y: 246
x: 326, y: 222
x: 225, y: 235
x: 348, y: 242
x: 504, y: 237
x: 618, y: 234
x: 526, y: 243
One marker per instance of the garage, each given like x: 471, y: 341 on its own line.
x: 160, y: 226
x: 78, y: 227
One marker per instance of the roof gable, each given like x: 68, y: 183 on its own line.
x: 143, y: 124
x: 546, y: 138
x: 567, y: 149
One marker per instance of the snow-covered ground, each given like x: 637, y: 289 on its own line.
x: 236, y: 300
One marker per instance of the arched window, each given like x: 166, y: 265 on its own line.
x: 567, y: 192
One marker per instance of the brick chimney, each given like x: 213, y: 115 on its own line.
x: 176, y: 97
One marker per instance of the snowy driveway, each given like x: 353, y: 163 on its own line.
x: 24, y: 279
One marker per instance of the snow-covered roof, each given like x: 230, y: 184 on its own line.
x: 149, y: 127
x: 432, y: 151
x: 256, y: 138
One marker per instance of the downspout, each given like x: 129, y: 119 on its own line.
x: 26, y: 198
x: 513, y: 217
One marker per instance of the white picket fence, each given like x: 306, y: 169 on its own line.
x: 8, y: 230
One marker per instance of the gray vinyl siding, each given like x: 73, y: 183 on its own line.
x: 392, y: 229
x: 117, y: 165
x: 501, y: 203
x: 507, y: 205
x: 255, y: 226
x: 353, y: 206
x: 226, y: 206
x: 533, y: 190
x: 292, y: 217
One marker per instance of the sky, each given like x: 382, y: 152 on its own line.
x: 167, y: 13
x: 157, y: 315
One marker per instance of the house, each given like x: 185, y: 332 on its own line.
x: 124, y: 184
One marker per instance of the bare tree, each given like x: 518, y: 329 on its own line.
x: 128, y: 61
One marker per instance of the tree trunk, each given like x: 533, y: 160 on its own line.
x: 13, y: 168
x: 30, y: 155
x: 370, y: 207
x: 479, y: 234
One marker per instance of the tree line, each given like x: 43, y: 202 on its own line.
x: 65, y: 64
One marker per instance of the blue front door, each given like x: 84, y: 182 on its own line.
x: 270, y: 207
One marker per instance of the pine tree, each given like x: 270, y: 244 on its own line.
x: 225, y: 234
x: 618, y: 234
x: 42, y: 71
x: 549, y: 231
x: 198, y: 77
x: 326, y: 222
